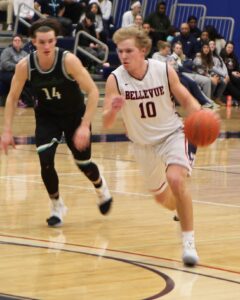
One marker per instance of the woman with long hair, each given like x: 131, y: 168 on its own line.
x: 233, y: 67
x: 204, y: 64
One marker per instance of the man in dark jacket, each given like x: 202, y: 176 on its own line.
x: 159, y: 21
x: 189, y: 42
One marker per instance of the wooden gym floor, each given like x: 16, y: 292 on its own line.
x: 135, y: 251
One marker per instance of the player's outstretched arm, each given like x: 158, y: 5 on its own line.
x: 18, y: 81
x: 113, y: 102
x: 186, y: 100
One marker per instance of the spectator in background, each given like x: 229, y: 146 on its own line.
x: 129, y: 16
x: 194, y: 30
x: 203, y: 39
x: 147, y: 28
x: 204, y: 66
x: 188, y: 41
x: 10, y: 56
x: 184, y: 67
x: 87, y: 25
x: 219, y: 65
x: 74, y: 9
x: 106, y: 8
x: 172, y: 32
x: 7, y: 5
x: 230, y: 59
x: 56, y: 10
x: 138, y: 22
x: 25, y: 13
x: 94, y: 7
x: 216, y: 37
x: 159, y: 21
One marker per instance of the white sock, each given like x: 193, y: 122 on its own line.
x: 188, y: 236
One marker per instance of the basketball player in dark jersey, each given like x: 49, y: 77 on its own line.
x: 57, y: 78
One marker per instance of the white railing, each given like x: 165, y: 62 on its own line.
x: 224, y: 25
x: 85, y: 52
x: 181, y: 11
x: 21, y: 20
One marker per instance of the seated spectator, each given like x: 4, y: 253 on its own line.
x: 25, y: 13
x: 129, y: 16
x: 146, y: 27
x: 96, y: 10
x: 106, y: 8
x: 164, y: 51
x: 219, y: 66
x: 172, y: 32
x: 87, y: 25
x: 203, y: 90
x: 188, y: 41
x: 74, y: 9
x: 231, y: 61
x: 55, y: 10
x: 203, y: 39
x: 138, y: 22
x: 194, y: 30
x: 10, y: 56
x: 164, y: 55
x: 216, y: 37
x: 7, y: 5
x: 204, y: 64
x: 159, y: 21
x: 186, y: 68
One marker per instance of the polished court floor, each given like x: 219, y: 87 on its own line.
x: 134, y: 252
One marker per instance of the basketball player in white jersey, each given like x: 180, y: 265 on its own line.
x: 141, y: 89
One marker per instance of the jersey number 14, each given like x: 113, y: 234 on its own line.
x: 53, y: 93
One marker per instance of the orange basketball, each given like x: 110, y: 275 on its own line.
x: 202, y: 127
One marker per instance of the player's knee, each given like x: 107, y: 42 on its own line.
x: 90, y: 170
x: 176, y: 180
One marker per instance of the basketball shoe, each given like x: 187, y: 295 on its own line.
x: 58, y: 210
x: 104, y: 197
x: 190, y: 257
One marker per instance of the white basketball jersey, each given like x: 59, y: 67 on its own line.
x: 149, y: 113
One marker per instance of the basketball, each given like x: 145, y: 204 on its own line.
x: 202, y: 127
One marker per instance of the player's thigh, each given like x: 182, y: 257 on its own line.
x: 151, y: 165
x: 47, y: 130
x: 176, y: 151
x: 69, y: 131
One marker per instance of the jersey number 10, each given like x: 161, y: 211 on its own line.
x: 148, y: 110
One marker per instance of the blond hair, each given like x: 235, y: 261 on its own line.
x: 162, y: 45
x: 142, y: 40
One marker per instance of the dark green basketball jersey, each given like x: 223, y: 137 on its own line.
x: 55, y: 91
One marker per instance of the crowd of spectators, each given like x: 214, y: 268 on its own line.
x: 204, y: 61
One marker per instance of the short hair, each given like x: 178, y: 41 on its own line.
x: 142, y: 40
x: 45, y: 25
x: 192, y: 18
x: 162, y: 45
x: 17, y: 35
x: 177, y: 43
x: 90, y: 15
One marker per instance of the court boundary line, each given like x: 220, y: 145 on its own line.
x: 185, y: 269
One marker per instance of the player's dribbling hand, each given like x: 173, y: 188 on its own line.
x: 81, y: 138
x: 117, y: 103
x: 6, y: 140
